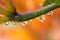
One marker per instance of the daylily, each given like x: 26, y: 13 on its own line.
x: 18, y: 31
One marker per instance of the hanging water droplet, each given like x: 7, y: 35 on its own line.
x: 14, y: 22
x: 24, y: 23
x: 30, y: 20
x: 50, y: 13
x: 7, y: 23
x: 10, y: 25
x: 41, y: 18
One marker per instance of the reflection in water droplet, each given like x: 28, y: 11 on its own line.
x: 41, y: 18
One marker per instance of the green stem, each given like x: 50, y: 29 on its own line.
x: 35, y: 14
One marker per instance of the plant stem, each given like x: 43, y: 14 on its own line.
x: 43, y: 10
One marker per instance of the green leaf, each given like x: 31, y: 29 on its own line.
x: 7, y: 13
x: 9, y: 5
x: 57, y: 2
x: 4, y: 11
x: 4, y: 19
x: 10, y: 9
x: 48, y: 2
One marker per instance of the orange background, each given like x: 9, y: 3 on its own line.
x: 32, y: 31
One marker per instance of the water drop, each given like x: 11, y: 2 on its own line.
x: 25, y: 23
x: 41, y: 18
x: 50, y: 13
x: 14, y: 22
x: 9, y: 25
